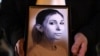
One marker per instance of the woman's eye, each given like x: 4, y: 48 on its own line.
x: 51, y: 23
x: 61, y: 23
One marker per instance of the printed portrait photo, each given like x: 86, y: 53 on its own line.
x: 48, y: 31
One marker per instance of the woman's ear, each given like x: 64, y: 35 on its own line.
x: 39, y: 27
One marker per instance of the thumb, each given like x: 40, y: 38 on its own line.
x: 76, y: 45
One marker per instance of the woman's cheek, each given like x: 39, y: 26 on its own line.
x: 52, y: 28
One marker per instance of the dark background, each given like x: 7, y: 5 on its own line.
x: 84, y: 16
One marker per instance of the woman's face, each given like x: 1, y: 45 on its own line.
x: 53, y: 26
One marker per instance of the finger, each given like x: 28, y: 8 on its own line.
x: 76, y: 46
x: 83, y: 49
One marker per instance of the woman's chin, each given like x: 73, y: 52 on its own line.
x: 58, y: 37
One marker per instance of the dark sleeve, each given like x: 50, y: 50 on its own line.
x: 92, y: 32
x: 92, y: 29
x: 13, y: 16
x: 12, y: 21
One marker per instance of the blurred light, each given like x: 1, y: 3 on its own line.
x: 50, y: 2
x: 0, y: 1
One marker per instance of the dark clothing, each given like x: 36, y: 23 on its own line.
x: 84, y: 18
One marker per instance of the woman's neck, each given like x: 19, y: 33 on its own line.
x: 48, y: 44
x: 50, y: 2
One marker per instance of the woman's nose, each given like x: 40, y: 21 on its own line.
x: 58, y: 28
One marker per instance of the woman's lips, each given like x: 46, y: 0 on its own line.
x: 58, y: 34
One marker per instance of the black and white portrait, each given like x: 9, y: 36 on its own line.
x: 48, y: 31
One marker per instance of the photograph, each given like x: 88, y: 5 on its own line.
x: 48, y: 31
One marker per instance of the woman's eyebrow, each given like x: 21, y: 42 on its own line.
x: 54, y: 21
